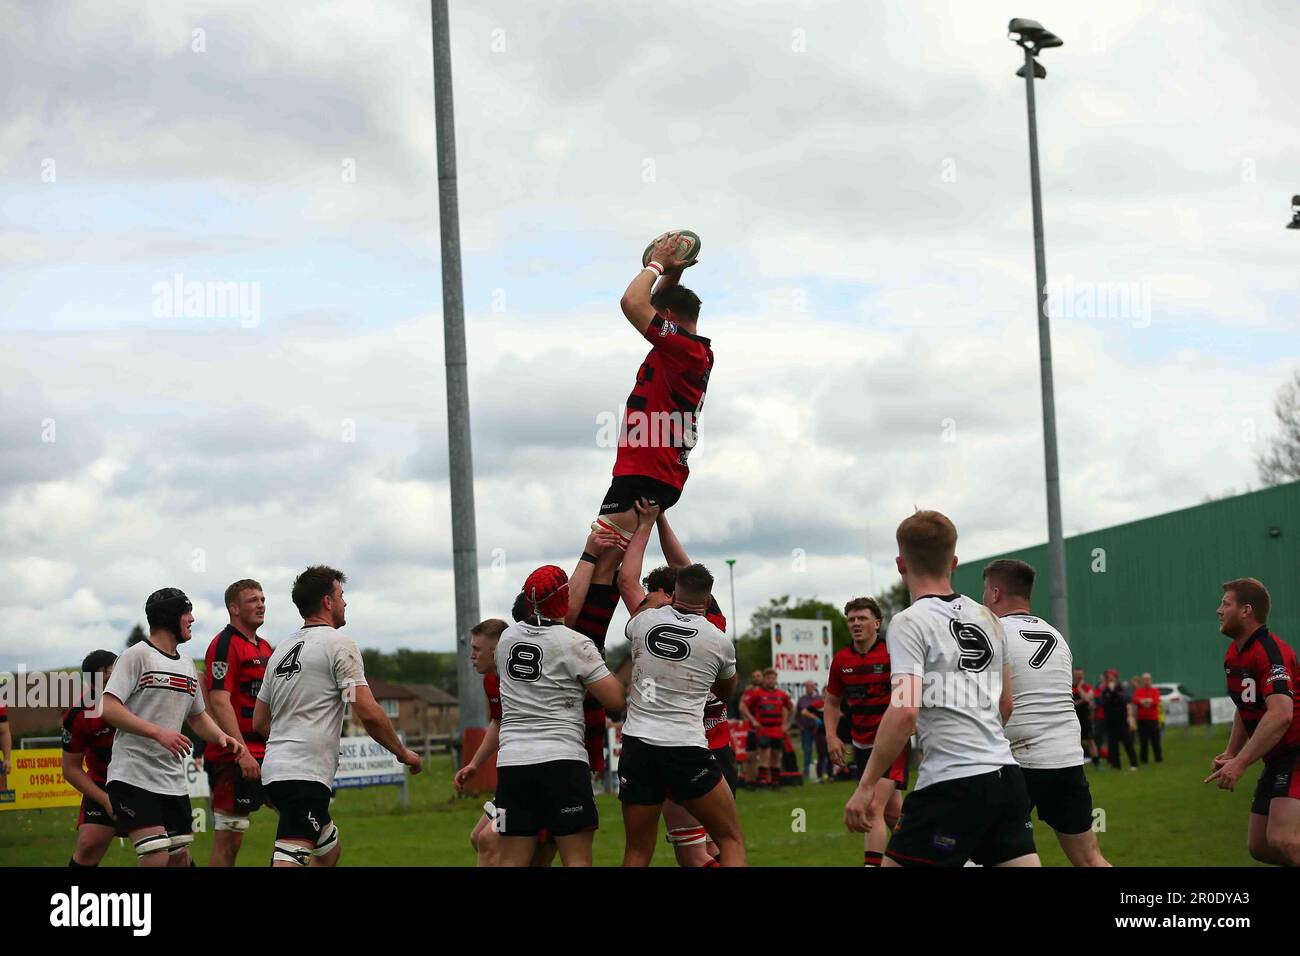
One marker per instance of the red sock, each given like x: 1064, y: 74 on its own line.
x: 872, y: 858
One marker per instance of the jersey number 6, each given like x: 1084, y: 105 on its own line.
x: 669, y: 642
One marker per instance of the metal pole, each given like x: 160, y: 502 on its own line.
x: 1055, y: 535
x: 473, y: 707
x: 731, y: 570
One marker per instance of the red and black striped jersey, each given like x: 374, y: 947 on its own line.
x: 1264, y: 665
x: 768, y: 708
x: 861, y: 681
x: 492, y: 688
x: 236, y: 664
x: 662, y: 416
x: 92, y: 737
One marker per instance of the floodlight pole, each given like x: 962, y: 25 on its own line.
x: 1055, y: 533
x: 460, y: 459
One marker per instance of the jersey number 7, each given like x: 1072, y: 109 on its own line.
x: 1046, y: 642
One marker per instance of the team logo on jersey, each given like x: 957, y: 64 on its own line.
x: 667, y: 329
x: 219, y: 669
x: 1278, y: 672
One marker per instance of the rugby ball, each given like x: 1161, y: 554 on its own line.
x: 688, y: 246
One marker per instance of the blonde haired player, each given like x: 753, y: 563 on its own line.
x: 970, y: 801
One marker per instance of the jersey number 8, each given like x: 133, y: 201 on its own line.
x: 524, y: 662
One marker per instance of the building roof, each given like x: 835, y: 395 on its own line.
x: 434, y: 695
x: 383, y: 690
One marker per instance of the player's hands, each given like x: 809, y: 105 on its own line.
x: 462, y: 777
x: 859, y: 811
x: 665, y: 253
x: 232, y: 746
x: 1228, y: 773
x: 412, y: 760
x: 106, y: 802
x: 249, y: 767
x: 1219, y: 761
x: 600, y: 539
x: 647, y: 512
x: 173, y: 741
x: 835, y: 749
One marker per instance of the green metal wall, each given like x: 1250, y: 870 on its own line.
x: 1152, y: 608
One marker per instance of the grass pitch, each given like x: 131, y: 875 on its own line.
x: 1159, y: 816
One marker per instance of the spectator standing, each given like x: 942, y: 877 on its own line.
x: 1147, y: 701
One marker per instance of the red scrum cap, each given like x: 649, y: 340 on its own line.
x: 547, y: 592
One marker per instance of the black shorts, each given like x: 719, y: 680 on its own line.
x: 624, y: 490
x: 1280, y: 778
x: 1085, y: 723
x: 231, y: 793
x: 1062, y: 798
x: 137, y: 808
x: 770, y: 743
x: 304, y: 808
x: 555, y: 796
x: 92, y: 812
x: 727, y: 761
x: 648, y: 774
x: 897, y: 771
x: 984, y: 818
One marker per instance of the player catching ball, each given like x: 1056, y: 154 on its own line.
x: 662, y: 414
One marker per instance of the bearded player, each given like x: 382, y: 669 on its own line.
x: 689, y: 839
x: 662, y: 413
x: 1261, y: 674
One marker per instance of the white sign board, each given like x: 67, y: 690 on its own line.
x: 801, y: 651
x: 365, y: 763
x: 1176, y: 714
x: 196, y: 778
x: 1222, y: 710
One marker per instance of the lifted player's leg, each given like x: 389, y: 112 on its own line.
x: 687, y: 836
x: 717, y: 811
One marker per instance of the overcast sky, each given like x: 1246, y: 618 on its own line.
x: 858, y: 173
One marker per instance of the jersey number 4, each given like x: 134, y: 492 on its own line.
x: 289, y: 665
x: 1046, y: 642
x: 524, y: 662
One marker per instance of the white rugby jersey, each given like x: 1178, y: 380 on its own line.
x: 308, y: 682
x: 676, y: 658
x: 544, y: 672
x: 164, y: 690
x: 956, y: 646
x: 1044, y: 727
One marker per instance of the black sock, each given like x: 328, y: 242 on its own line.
x: 872, y: 858
x: 72, y: 862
